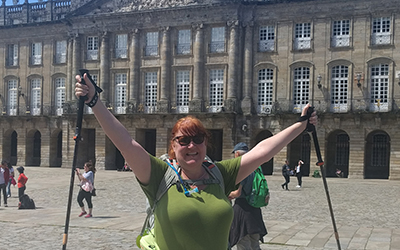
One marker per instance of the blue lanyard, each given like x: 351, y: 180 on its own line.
x: 187, y: 192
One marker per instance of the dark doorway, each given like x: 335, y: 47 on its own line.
x: 119, y: 160
x: 87, y: 148
x: 267, y: 167
x: 14, y: 143
x: 299, y: 149
x: 377, y: 156
x: 337, y: 154
x: 214, y: 150
x: 147, y: 138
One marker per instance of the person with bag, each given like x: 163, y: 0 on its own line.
x: 286, y: 175
x: 22, y: 179
x: 86, y: 188
x: 196, y: 212
x: 248, y: 228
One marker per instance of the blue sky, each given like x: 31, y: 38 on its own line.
x: 10, y: 2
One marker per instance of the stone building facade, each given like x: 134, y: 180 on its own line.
x: 245, y: 68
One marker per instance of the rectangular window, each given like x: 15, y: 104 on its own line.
x: 184, y: 42
x: 121, y: 46
x: 120, y: 93
x: 339, y: 88
x: 381, y: 34
x: 301, y: 88
x: 379, y: 88
x: 150, y: 83
x: 92, y: 48
x: 35, y: 96
x: 302, y: 36
x: 12, y: 101
x: 265, y: 88
x: 59, y: 95
x: 340, y: 33
x: 216, y: 90
x: 36, y: 54
x: 12, y: 55
x: 267, y: 38
x: 182, y: 91
x: 217, y: 40
x: 151, y: 44
x: 61, y: 52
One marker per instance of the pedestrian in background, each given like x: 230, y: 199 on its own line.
x: 248, y: 228
x: 286, y: 175
x: 4, y: 177
x: 11, y: 179
x: 86, y: 183
x: 299, y: 175
x: 22, y: 179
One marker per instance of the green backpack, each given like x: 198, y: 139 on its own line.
x: 259, y: 190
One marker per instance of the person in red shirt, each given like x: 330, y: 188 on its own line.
x: 22, y: 179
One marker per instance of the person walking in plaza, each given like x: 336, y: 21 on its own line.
x: 11, y: 179
x: 207, y: 206
x: 22, y: 179
x: 85, y: 192
x: 4, y: 177
x: 248, y: 228
x: 286, y: 175
x: 299, y: 174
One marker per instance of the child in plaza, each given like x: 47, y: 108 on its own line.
x: 22, y: 179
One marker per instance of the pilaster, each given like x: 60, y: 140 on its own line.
x: 105, y: 68
x: 246, y: 104
x: 134, y: 72
x: 197, y: 102
x: 233, y: 61
x: 163, y: 104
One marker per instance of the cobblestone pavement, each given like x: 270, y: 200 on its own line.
x: 297, y: 219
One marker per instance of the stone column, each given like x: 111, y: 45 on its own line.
x: 232, y: 83
x: 70, y: 81
x: 247, y: 69
x: 71, y: 105
x: 163, y: 103
x: 196, y: 104
x: 105, y: 84
x: 21, y: 147
x: 45, y: 149
x: 134, y: 76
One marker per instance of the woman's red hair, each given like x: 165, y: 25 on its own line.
x: 189, y: 126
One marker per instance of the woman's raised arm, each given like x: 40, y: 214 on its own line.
x: 269, y: 147
x: 135, y: 155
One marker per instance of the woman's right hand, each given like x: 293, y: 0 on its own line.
x: 84, y: 89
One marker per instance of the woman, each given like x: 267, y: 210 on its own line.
x: 11, y: 180
x: 87, y: 181
x: 202, y: 220
x: 22, y: 179
x: 299, y: 173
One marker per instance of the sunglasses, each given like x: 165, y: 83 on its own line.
x: 185, y: 140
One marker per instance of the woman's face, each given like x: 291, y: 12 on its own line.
x: 189, y: 151
x: 86, y: 168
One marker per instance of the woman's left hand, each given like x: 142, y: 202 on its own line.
x: 313, y: 118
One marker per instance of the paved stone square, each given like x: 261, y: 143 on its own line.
x: 365, y: 212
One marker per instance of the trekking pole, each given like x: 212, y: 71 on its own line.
x: 77, y: 138
x: 320, y: 163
